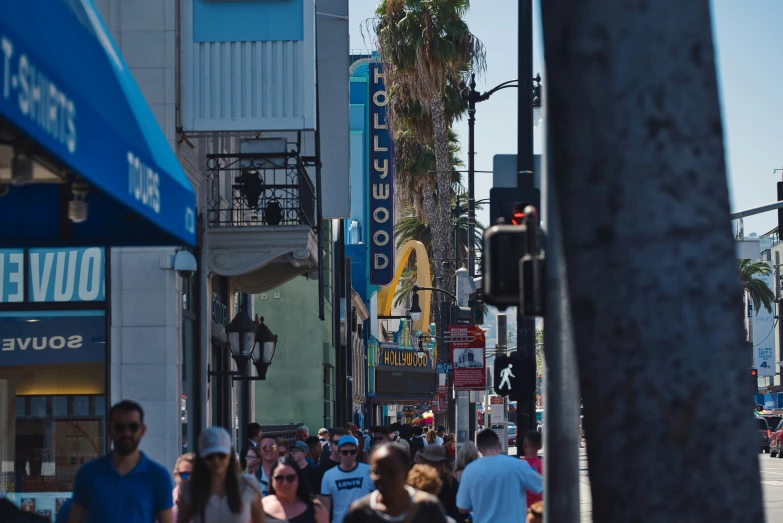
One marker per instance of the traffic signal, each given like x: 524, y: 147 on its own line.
x: 514, y: 376
x: 461, y: 316
x: 501, y: 364
x: 504, y: 246
x: 476, y: 304
x: 754, y: 378
x: 509, y: 203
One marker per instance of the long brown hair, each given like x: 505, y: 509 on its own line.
x: 200, y: 488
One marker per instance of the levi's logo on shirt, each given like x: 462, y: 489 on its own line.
x: 350, y: 483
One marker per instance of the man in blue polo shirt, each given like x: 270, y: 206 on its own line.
x: 124, y: 485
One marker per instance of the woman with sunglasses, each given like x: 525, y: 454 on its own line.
x: 217, y: 491
x: 252, y: 461
x: 182, y: 471
x: 289, y: 499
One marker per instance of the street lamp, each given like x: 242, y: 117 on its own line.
x: 241, y: 338
x: 415, y: 311
x: 472, y: 97
x: 263, y: 349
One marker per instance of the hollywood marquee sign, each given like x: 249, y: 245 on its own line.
x: 404, y: 358
x: 381, y: 183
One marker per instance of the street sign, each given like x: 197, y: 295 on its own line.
x: 496, y: 400
x: 467, y: 357
x: 444, y: 368
x: 465, y: 337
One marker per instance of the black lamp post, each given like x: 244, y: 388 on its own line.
x: 248, y: 341
x: 241, y: 338
x: 473, y: 97
x: 264, y: 349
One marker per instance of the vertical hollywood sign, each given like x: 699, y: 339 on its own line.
x: 381, y: 183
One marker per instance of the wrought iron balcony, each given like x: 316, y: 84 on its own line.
x: 259, y: 189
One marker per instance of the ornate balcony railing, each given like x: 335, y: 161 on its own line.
x: 259, y: 189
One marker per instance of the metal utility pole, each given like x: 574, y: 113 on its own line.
x: 462, y: 397
x: 472, y: 97
x: 526, y: 326
x: 502, y: 326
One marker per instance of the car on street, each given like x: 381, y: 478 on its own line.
x: 764, y: 434
x: 773, y: 420
x: 776, y: 440
x: 512, y: 435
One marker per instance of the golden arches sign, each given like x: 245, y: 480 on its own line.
x: 386, y: 292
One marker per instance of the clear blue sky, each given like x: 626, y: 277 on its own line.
x: 749, y: 48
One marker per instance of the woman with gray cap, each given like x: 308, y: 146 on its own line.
x: 218, y: 492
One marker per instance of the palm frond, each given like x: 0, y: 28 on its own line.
x: 756, y: 289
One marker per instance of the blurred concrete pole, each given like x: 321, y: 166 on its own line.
x: 561, y: 385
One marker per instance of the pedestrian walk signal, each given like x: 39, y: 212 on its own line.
x: 515, y: 377
x: 504, y: 368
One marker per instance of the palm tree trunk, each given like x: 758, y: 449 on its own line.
x: 441, y: 229
x: 635, y: 141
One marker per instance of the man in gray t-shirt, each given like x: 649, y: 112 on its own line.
x: 347, y: 482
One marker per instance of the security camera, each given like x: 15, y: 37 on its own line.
x: 185, y: 264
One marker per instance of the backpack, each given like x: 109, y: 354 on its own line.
x: 416, y: 445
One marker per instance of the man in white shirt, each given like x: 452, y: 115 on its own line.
x: 439, y: 435
x: 490, y: 487
x: 347, y: 482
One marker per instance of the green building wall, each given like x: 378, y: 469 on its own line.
x: 298, y: 385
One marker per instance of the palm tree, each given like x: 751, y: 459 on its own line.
x: 414, y: 164
x: 756, y: 289
x: 425, y: 45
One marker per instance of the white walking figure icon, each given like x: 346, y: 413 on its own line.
x: 505, y: 377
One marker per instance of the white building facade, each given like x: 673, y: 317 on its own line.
x: 232, y: 85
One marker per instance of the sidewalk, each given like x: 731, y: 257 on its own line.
x: 585, y: 498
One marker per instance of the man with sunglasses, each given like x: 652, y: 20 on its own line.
x: 124, y: 485
x: 347, y: 482
x: 268, y: 449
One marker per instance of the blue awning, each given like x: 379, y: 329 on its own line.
x: 68, y: 99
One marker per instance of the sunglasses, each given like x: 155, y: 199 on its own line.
x: 120, y: 427
x: 218, y: 455
x: 183, y: 475
x: 251, y: 456
x: 348, y: 452
x: 289, y: 478
x: 268, y: 447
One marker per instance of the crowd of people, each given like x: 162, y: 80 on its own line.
x: 397, y: 473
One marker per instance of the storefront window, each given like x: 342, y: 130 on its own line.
x: 53, y: 406
x: 52, y: 372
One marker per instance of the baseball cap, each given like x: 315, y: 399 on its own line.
x: 300, y: 445
x: 214, y: 440
x: 347, y: 440
x: 323, y: 431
